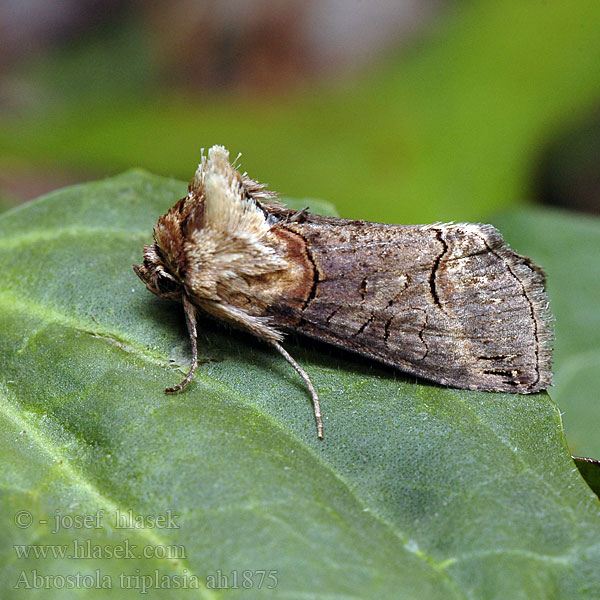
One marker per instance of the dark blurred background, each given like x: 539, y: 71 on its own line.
x: 394, y: 110
x: 402, y: 111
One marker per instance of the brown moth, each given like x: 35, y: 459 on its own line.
x: 446, y: 302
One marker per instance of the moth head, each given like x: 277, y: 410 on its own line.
x: 214, y: 239
x: 155, y: 274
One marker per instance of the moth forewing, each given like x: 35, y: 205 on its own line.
x: 447, y: 302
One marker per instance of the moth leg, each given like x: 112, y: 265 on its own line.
x: 313, y: 392
x: 190, y: 320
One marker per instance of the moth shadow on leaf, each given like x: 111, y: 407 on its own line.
x: 219, y: 342
x: 314, y: 353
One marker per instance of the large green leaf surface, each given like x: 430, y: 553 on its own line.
x: 416, y: 492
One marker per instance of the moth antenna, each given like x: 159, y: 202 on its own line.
x: 311, y: 388
x: 190, y: 320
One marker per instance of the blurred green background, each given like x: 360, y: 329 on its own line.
x: 406, y: 112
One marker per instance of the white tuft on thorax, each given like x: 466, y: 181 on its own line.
x: 234, y: 242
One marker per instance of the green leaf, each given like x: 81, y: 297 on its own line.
x: 416, y: 492
x: 567, y: 246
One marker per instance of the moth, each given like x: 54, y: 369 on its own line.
x: 448, y: 302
